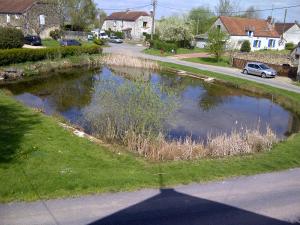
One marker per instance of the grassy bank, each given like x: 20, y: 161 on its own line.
x: 50, y: 43
x: 39, y: 159
x: 224, y: 61
x: 152, y: 51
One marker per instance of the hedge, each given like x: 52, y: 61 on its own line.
x: 289, y: 46
x: 11, y: 38
x: 11, y: 56
x: 246, y: 47
x: 160, y: 45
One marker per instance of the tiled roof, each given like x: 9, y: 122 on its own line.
x: 279, y: 27
x: 15, y: 6
x: 238, y: 26
x: 127, y: 16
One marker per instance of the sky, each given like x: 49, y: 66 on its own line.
x: 169, y: 7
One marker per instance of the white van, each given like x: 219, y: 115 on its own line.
x: 99, y: 34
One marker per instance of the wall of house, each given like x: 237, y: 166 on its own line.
x: 136, y: 26
x: 29, y: 22
x: 292, y: 35
x: 235, y: 42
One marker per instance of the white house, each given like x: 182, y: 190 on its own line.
x: 132, y: 23
x: 261, y: 33
x: 290, y: 32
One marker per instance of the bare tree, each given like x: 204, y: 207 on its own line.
x: 251, y: 12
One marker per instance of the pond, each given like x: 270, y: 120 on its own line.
x: 201, y: 108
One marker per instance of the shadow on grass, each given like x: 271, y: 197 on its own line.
x: 14, y: 123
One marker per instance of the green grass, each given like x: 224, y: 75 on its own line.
x: 39, y: 159
x: 157, y: 52
x: 275, y: 52
x: 49, y: 43
x: 210, y: 61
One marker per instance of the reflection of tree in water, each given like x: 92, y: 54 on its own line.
x: 216, y: 95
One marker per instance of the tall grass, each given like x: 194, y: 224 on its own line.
x: 129, y: 61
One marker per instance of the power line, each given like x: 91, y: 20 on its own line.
x: 234, y: 12
x: 123, y: 9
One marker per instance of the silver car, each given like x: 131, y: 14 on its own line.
x: 259, y: 69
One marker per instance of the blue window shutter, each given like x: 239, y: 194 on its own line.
x: 259, y: 42
x: 273, y: 43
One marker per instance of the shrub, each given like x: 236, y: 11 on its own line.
x: 160, y: 45
x: 11, y: 38
x: 246, y: 46
x: 99, y: 41
x: 11, y: 56
x: 56, y: 34
x: 289, y: 46
x: 119, y: 34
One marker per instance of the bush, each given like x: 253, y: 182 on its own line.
x: 99, y: 41
x: 289, y: 46
x: 246, y: 46
x: 56, y: 34
x: 11, y: 56
x: 11, y: 38
x: 160, y: 45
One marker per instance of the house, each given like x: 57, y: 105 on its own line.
x: 260, y: 33
x: 290, y: 32
x: 31, y: 16
x: 132, y: 23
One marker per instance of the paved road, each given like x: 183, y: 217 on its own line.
x: 136, y: 51
x: 266, y: 199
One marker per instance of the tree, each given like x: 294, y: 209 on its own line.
x: 246, y: 47
x: 202, y: 19
x: 216, y: 42
x: 82, y: 13
x: 251, y: 13
x: 226, y: 8
x: 175, y: 29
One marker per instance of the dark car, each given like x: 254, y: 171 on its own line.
x: 32, y: 40
x: 70, y: 42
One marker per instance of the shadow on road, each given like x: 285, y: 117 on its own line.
x: 170, y: 207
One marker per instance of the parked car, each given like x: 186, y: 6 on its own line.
x: 70, y: 42
x: 32, y: 40
x: 115, y: 39
x: 259, y: 69
x: 99, y: 34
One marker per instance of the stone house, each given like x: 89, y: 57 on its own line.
x: 132, y: 23
x: 31, y: 16
x: 289, y: 32
x: 259, y: 32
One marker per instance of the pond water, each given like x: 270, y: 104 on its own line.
x: 201, y: 107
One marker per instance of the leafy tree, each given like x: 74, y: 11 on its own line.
x: 202, y: 19
x: 82, y: 13
x: 246, y: 46
x: 216, y: 42
x: 225, y: 8
x: 251, y: 13
x: 175, y: 29
x: 100, y: 18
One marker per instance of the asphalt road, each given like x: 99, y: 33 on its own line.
x: 266, y: 199
x: 135, y: 50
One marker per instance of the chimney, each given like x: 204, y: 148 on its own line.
x: 127, y: 10
x: 269, y: 19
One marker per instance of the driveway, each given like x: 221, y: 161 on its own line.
x: 137, y: 51
x: 266, y: 199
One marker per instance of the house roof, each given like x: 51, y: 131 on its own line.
x: 238, y: 26
x: 127, y: 16
x: 279, y: 27
x: 15, y: 6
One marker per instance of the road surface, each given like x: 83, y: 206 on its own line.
x: 137, y: 51
x: 266, y: 199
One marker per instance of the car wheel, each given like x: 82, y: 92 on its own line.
x: 245, y: 71
x: 263, y: 75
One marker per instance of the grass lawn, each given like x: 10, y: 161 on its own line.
x: 39, y: 159
x: 210, y: 61
x: 157, y: 52
x: 53, y: 43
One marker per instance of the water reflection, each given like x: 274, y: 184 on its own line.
x: 204, y: 108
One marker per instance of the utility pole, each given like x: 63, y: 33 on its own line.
x: 154, y: 3
x: 283, y: 29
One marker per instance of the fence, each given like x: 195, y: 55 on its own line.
x: 282, y: 70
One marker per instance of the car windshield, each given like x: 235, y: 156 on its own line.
x: 263, y: 66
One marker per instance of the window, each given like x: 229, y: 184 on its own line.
x: 115, y: 23
x: 250, y: 33
x: 256, y: 43
x: 219, y: 27
x: 256, y: 67
x: 251, y: 65
x: 7, y: 18
x: 42, y: 19
x: 145, y: 24
x: 271, y: 43
x: 17, y: 17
